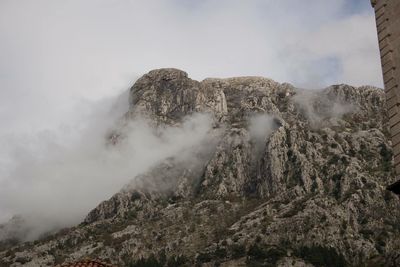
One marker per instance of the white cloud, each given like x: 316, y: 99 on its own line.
x: 55, y: 179
x: 350, y: 42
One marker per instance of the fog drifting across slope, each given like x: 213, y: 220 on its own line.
x: 319, y: 108
x: 56, y: 177
x: 261, y: 126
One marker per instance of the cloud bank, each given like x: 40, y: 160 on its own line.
x: 56, y: 179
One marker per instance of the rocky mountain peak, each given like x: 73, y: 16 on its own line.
x: 166, y: 74
x: 286, y: 177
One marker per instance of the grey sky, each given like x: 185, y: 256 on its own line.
x: 59, y: 59
x: 55, y: 53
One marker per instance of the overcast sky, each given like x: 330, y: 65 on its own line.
x: 58, y: 58
x: 56, y: 53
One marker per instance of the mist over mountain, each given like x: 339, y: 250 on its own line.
x: 239, y: 171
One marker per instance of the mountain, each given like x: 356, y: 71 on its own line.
x: 284, y: 177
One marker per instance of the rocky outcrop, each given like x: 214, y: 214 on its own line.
x: 288, y: 177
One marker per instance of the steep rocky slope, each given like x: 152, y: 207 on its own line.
x: 287, y: 177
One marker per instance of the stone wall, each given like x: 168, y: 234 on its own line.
x: 387, y: 13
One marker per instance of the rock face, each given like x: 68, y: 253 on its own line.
x: 290, y: 178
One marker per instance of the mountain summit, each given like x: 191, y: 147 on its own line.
x: 283, y: 177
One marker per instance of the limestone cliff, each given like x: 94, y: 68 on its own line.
x: 288, y: 177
